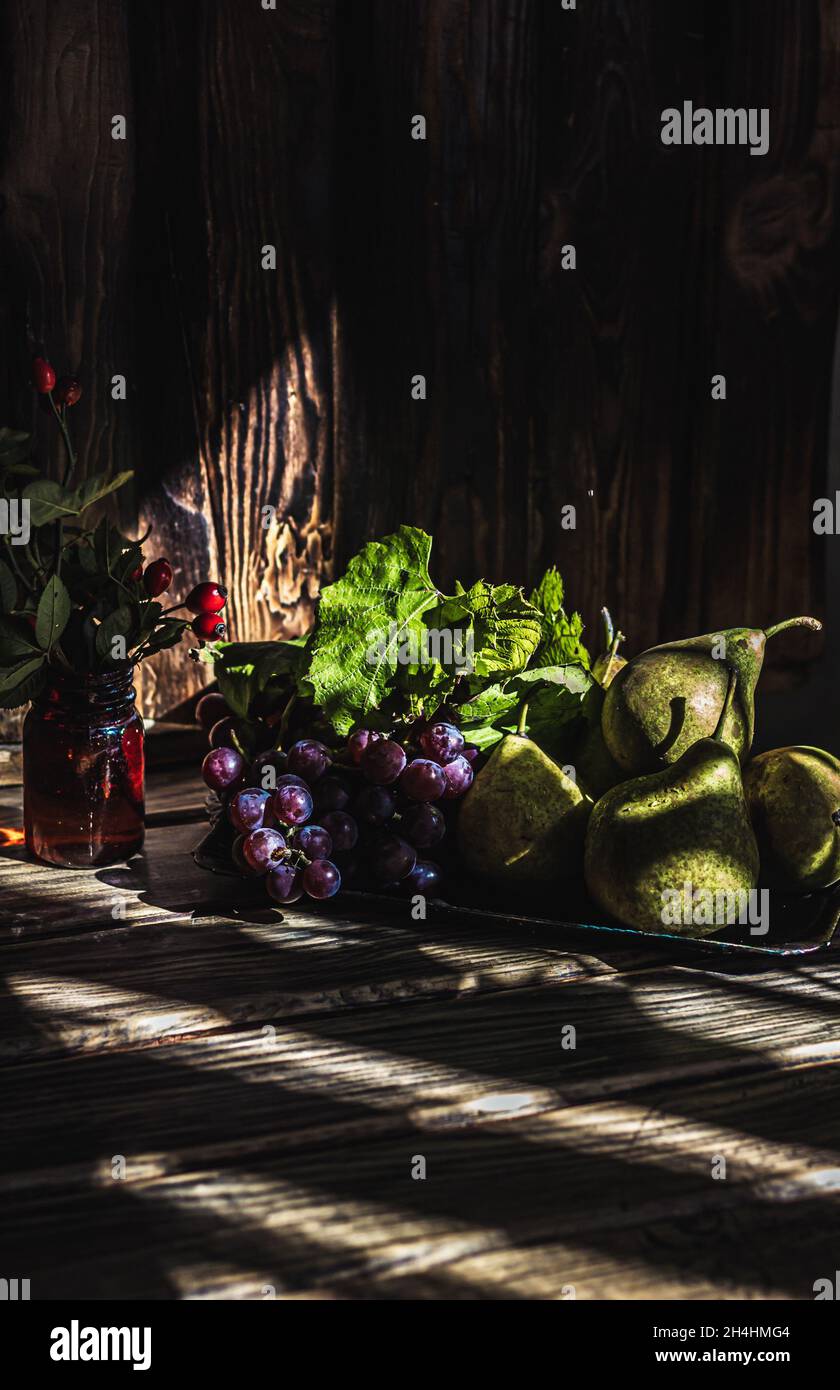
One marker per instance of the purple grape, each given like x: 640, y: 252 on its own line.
x: 247, y: 811
x: 284, y: 884
x: 222, y: 732
x: 210, y: 709
x: 321, y: 879
x: 342, y: 828
x: 383, y: 762
x: 358, y: 742
x: 266, y: 769
x: 392, y: 858
x: 423, y: 780
x: 423, y: 825
x: 222, y: 768
x: 374, y: 805
x: 290, y: 779
x: 315, y: 841
x: 238, y: 857
x: 424, y: 878
x: 330, y: 794
x: 263, y: 849
x: 292, y: 803
x: 309, y: 759
x: 470, y: 752
x: 250, y: 734
x: 441, y: 742
x: 459, y: 776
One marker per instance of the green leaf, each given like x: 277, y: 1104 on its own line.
x: 171, y: 630
x: 556, y: 696
x: 17, y: 642
x: 86, y: 558
x: 363, y: 620
x: 14, y: 446
x: 99, y: 485
x: 150, y: 615
x: 561, y: 639
x: 117, y: 624
x: 8, y: 588
x: 49, y: 501
x: 244, y: 669
x: 53, y: 612
x: 22, y: 682
x: 505, y: 629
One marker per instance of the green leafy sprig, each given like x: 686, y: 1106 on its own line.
x: 66, y: 590
x: 389, y: 647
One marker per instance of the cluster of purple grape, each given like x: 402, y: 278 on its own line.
x: 396, y: 805
x: 307, y: 819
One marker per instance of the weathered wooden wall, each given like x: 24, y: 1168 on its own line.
x: 290, y: 389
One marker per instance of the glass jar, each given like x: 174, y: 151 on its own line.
x: 83, y: 763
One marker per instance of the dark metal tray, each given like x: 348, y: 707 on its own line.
x: 799, y: 925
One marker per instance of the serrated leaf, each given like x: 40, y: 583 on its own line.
x: 561, y: 640
x: 363, y: 619
x: 18, y: 675
x: 53, y: 612
x: 557, y: 703
x: 49, y: 501
x: 505, y: 628
x: 98, y: 486
x: 244, y: 669
x: 17, y: 642
x: 8, y: 588
x: 117, y: 624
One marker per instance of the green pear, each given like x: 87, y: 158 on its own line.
x: 686, y: 825
x: 794, y: 800
x: 523, y: 820
x: 668, y: 697
x: 596, y: 769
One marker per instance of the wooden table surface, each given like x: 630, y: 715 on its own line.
x: 203, y: 1099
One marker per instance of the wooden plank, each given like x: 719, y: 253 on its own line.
x: 616, y: 1200
x: 441, y: 270
x: 235, y: 139
x: 632, y: 1024
x: 677, y: 280
x: 170, y: 966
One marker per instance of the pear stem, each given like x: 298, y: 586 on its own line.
x: 813, y: 623
x: 727, y: 704
x: 523, y: 715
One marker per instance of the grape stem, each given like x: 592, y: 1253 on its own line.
x: 284, y: 719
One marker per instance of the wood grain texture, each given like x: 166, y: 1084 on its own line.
x: 692, y: 262
x: 269, y: 1083
x: 234, y: 153
x: 290, y: 389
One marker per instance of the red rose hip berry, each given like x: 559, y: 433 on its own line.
x: 43, y: 375
x: 206, y: 598
x: 157, y: 578
x: 209, y: 627
x: 68, y: 391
